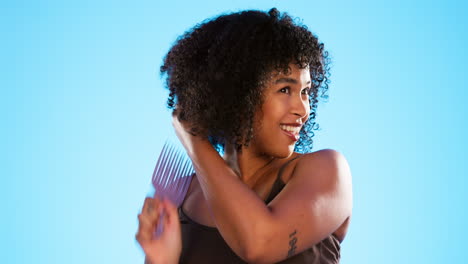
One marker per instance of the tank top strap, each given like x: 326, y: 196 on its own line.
x: 279, y: 184
x: 280, y: 172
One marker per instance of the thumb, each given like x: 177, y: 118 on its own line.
x: 171, y: 218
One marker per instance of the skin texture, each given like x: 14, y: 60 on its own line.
x: 286, y: 101
x: 166, y: 248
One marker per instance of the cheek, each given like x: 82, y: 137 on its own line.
x: 307, y: 107
x: 267, y: 124
x: 277, y: 109
x: 269, y: 115
x: 272, y: 119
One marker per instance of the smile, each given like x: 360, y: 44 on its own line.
x: 291, y: 131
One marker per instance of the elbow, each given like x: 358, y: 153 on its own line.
x: 257, y: 259
x: 255, y: 253
x: 250, y: 255
x: 246, y: 250
x: 256, y: 247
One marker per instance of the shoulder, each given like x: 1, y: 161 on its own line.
x: 325, y: 161
x: 326, y: 156
x: 325, y: 172
x: 315, y: 203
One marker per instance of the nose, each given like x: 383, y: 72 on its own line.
x: 300, y: 107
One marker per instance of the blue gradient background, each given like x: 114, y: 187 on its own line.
x: 83, y: 119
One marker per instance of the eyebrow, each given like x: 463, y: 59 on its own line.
x: 288, y: 80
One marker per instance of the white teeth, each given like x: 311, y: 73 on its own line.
x: 292, y: 129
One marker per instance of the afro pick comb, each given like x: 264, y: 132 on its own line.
x: 172, y: 176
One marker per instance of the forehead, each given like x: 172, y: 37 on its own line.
x: 295, y: 75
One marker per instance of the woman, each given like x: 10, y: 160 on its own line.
x: 247, y: 84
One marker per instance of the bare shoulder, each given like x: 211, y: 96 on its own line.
x: 326, y: 157
x: 326, y: 163
x: 328, y: 169
x: 325, y: 170
x: 315, y: 203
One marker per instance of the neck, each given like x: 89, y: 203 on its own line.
x: 246, y: 164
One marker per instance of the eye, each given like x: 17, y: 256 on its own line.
x: 286, y: 90
x: 306, y: 91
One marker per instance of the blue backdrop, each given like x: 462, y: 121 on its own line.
x: 83, y: 119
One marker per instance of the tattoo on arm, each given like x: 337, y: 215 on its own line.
x: 292, y: 243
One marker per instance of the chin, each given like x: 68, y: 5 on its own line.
x: 284, y: 153
x: 276, y: 149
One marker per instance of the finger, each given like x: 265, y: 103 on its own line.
x: 142, y: 238
x: 168, y: 205
x: 150, y: 207
x: 146, y: 222
x: 145, y: 228
x: 149, y: 218
x: 172, y: 216
x: 146, y: 204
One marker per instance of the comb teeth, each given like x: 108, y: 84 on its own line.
x: 171, y: 177
x: 172, y: 174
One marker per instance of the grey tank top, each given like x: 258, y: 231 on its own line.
x: 204, y: 244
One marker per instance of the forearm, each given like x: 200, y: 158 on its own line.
x: 240, y: 215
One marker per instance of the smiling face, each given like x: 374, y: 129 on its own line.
x: 284, y: 111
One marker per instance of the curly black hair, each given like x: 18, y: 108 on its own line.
x: 216, y: 72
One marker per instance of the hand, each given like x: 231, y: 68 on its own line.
x: 167, y: 247
x: 186, y: 137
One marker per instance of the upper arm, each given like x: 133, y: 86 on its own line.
x: 314, y: 203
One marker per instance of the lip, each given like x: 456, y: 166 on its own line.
x: 293, y: 137
x: 292, y: 124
